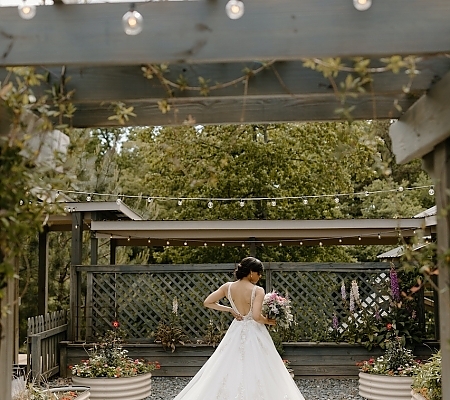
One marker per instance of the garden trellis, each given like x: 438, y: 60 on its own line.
x: 140, y: 297
x: 197, y: 39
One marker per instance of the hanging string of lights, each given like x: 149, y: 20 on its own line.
x: 243, y: 200
x: 132, y: 21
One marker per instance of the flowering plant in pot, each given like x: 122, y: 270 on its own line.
x: 108, y: 359
x: 390, y: 375
x: 427, y: 381
x: 32, y: 391
x: 110, y: 373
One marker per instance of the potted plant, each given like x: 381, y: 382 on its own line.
x: 390, y: 375
x: 427, y: 381
x: 32, y: 391
x: 111, y: 374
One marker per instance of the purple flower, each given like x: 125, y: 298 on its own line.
x: 377, y: 315
x: 352, y: 301
x: 343, y: 292
x: 335, y: 322
x: 395, y: 289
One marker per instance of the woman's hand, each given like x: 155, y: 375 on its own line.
x: 271, y: 321
x: 236, y: 315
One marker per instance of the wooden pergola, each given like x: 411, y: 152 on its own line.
x: 87, y: 43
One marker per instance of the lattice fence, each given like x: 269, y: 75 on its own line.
x: 141, y: 296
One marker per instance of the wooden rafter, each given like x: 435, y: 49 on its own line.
x: 424, y: 125
x: 284, y: 91
x: 200, y: 32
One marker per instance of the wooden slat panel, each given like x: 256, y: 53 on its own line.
x: 199, y: 31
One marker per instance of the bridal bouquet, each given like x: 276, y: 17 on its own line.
x: 279, y: 308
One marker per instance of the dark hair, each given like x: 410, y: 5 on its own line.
x: 247, y: 265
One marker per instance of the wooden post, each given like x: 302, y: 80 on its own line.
x: 438, y: 165
x: 43, y: 273
x: 76, y: 259
x: 6, y: 339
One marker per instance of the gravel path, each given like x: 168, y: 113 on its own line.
x: 312, y: 389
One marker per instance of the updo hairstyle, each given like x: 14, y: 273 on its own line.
x: 247, y: 265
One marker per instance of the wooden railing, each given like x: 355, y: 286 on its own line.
x: 44, y: 334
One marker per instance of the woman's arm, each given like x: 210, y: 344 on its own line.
x: 212, y: 301
x: 257, y: 307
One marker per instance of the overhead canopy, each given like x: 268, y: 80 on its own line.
x: 106, y: 210
x: 267, y: 232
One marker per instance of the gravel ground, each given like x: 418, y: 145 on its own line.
x: 312, y: 389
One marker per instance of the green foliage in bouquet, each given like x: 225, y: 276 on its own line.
x: 428, y: 378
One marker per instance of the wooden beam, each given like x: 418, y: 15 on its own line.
x: 285, y: 91
x: 424, y: 125
x: 200, y: 32
x: 441, y: 175
x: 240, y: 110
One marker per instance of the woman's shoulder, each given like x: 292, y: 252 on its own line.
x: 260, y: 290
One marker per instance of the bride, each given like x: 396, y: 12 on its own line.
x: 245, y: 365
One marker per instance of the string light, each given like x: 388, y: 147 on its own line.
x: 180, y: 202
x: 272, y: 201
x: 132, y: 21
x: 149, y: 241
x: 185, y: 243
x: 400, y: 189
x: 379, y: 236
x: 234, y: 9
x: 336, y: 200
x: 88, y: 197
x: 362, y: 5
x: 26, y: 11
x: 242, y: 203
x: 129, y: 238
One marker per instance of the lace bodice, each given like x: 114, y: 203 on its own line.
x: 233, y: 306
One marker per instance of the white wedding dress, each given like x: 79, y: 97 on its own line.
x: 245, y: 366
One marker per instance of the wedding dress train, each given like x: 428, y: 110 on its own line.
x: 245, y: 366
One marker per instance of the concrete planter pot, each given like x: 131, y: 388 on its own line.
x: 124, y: 388
x: 83, y: 392
x: 416, y: 396
x: 384, y: 387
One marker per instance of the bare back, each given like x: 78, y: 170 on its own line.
x: 241, y: 294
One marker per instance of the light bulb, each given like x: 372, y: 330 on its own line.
x: 132, y: 22
x: 362, y: 5
x: 26, y: 11
x: 234, y: 9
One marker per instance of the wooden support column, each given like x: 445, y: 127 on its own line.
x: 6, y: 339
x: 43, y: 273
x: 112, y: 251
x: 89, y: 281
x: 438, y: 165
x: 75, y: 289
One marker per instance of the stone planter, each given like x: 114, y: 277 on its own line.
x: 416, y: 396
x: 384, y: 387
x: 82, y: 391
x: 124, y: 388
